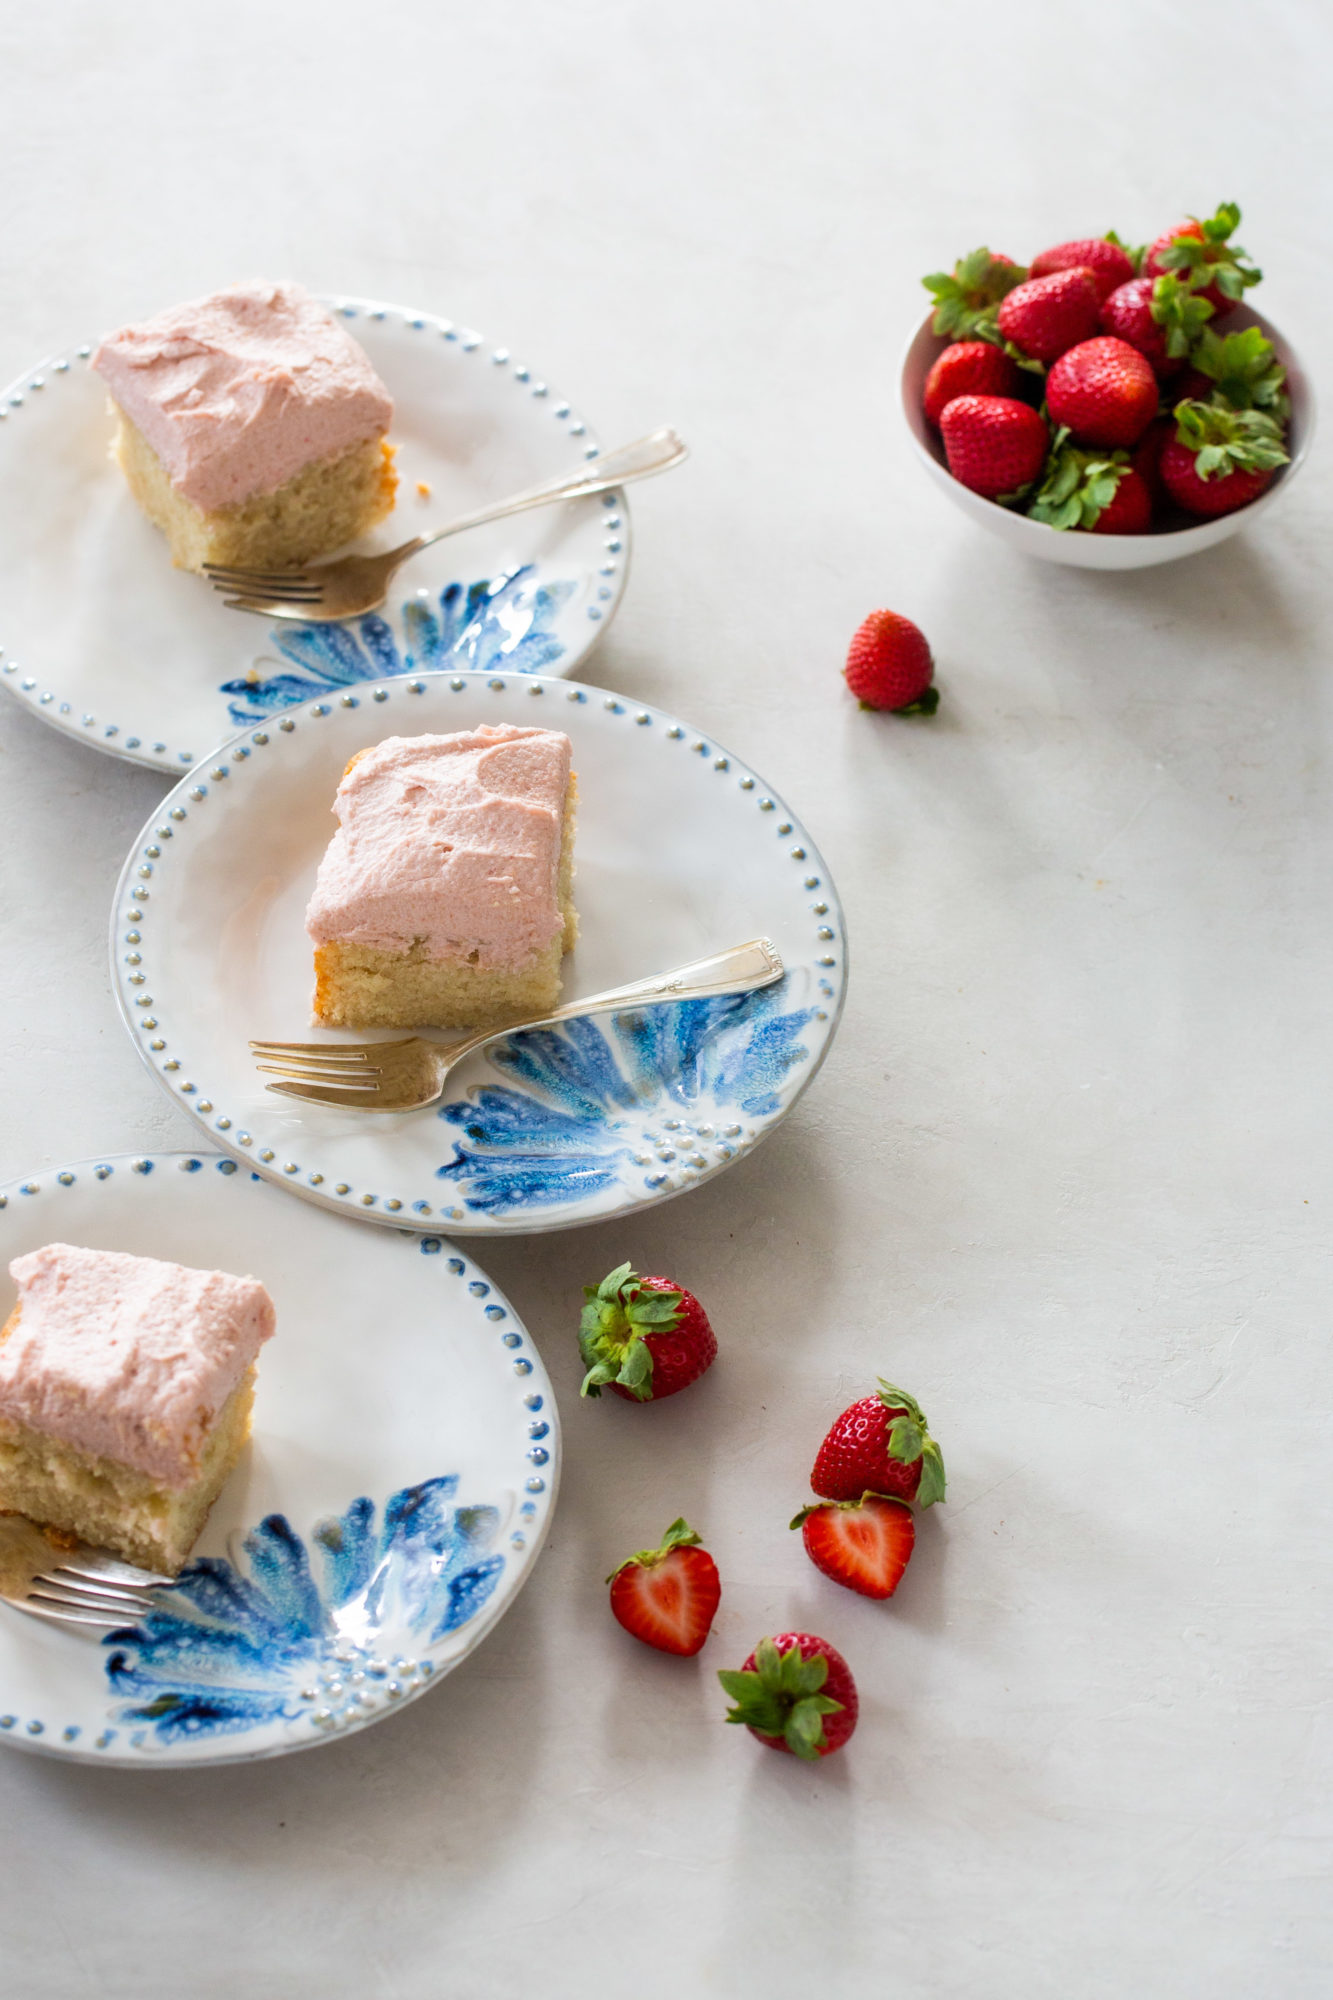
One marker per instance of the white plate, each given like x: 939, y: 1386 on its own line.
x: 111, y: 644
x: 393, y: 1498
x: 681, y: 850
x: 1070, y: 546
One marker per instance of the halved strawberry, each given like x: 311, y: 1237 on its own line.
x: 795, y: 1693
x: 668, y: 1597
x: 864, y: 1544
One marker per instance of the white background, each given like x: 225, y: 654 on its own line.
x: 1067, y: 1172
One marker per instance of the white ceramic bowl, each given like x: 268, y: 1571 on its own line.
x: 1087, y: 551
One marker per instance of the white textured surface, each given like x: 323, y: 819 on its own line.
x: 1067, y: 1174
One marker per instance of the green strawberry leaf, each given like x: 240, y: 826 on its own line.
x: 1076, y: 486
x: 1246, y: 369
x: 966, y: 297
x: 1214, y: 259
x: 1134, y: 251
x: 636, y: 1371
x: 804, y: 1733
x: 1177, y: 307
x: 909, y: 1438
x: 931, y: 1488
x: 1224, y: 440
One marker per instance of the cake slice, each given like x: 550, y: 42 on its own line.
x: 125, y: 1393
x: 445, y: 897
x: 250, y: 427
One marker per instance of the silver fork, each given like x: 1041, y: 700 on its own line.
x: 353, y: 584
x: 402, y: 1076
x: 85, y: 1587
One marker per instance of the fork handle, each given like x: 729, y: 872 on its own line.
x: 656, y: 453
x: 743, y: 969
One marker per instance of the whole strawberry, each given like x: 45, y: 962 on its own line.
x: 1203, y: 253
x: 1108, y: 262
x: 880, y: 1445
x: 968, y: 368
x: 1147, y: 455
x: 865, y: 1545
x: 643, y: 1338
x: 1160, y: 317
x: 1103, y: 391
x: 795, y: 1693
x: 1219, y: 458
x: 995, y: 445
x: 889, y: 665
x: 668, y: 1597
x: 1047, y: 315
x: 1097, y: 491
x: 966, y: 297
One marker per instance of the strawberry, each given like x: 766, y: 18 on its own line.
x: 1158, y: 316
x: 880, y: 1445
x: 668, y: 1597
x: 1046, y: 315
x: 795, y: 1693
x: 1146, y: 457
x: 1239, y: 368
x: 994, y: 444
x: 644, y: 1337
x: 966, y: 297
x: 1202, y: 251
x: 865, y: 1544
x: 889, y: 664
x: 1095, y: 490
x: 1108, y: 262
x: 968, y: 368
x: 1220, y: 459
x: 1103, y: 391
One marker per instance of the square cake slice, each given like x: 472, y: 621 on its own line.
x: 125, y: 1393
x: 251, y: 427
x: 445, y: 897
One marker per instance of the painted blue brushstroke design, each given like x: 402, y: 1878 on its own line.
x: 231, y: 1648
x: 503, y: 621
x: 585, y: 1092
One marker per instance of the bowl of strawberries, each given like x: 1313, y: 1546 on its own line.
x: 1106, y: 406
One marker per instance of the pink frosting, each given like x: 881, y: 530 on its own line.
x: 453, y: 840
x: 235, y: 393
x: 127, y: 1357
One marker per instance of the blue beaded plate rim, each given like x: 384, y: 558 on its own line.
x: 388, y: 633
x: 249, y: 1660
x: 509, y: 1174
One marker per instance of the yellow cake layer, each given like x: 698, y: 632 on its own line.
x: 318, y: 509
x: 111, y: 1505
x: 357, y: 986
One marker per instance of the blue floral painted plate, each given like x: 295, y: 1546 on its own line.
x: 394, y: 1496
x: 105, y: 640
x: 681, y: 850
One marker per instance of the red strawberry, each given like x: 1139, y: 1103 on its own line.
x: 1106, y: 261
x: 644, y: 1337
x: 1203, y: 253
x: 865, y: 1545
x: 1192, y: 386
x: 880, y: 1445
x: 994, y: 444
x: 968, y: 368
x: 668, y: 1597
x: 889, y: 664
x: 1130, y: 509
x: 1219, y: 458
x: 795, y: 1693
x: 1047, y: 315
x: 1146, y: 457
x: 1104, y: 391
x: 1128, y: 315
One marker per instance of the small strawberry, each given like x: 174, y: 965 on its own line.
x: 1098, y: 491
x: 966, y: 297
x: 994, y: 444
x: 795, y: 1693
x: 968, y: 368
x: 1103, y: 392
x: 1158, y: 316
x: 889, y: 664
x: 1219, y: 458
x: 668, y: 1597
x: 1046, y: 315
x: 1202, y: 251
x: 865, y: 1544
x: 880, y: 1445
x: 1108, y: 262
x: 1239, y: 368
x: 644, y: 1338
